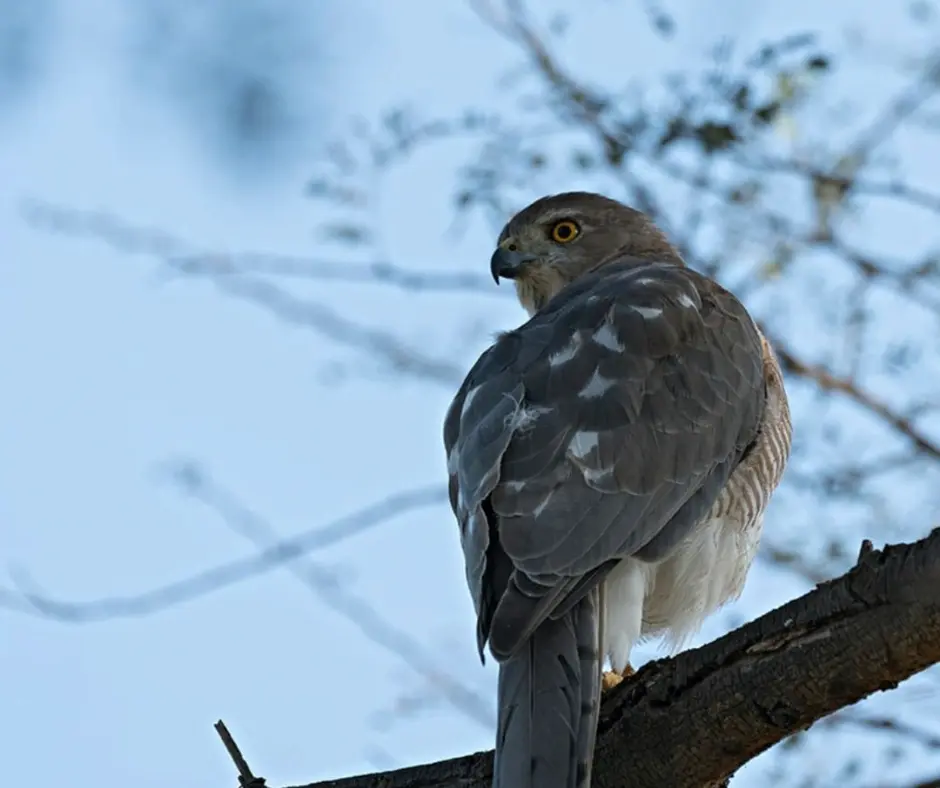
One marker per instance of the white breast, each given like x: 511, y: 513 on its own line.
x: 671, y: 599
x: 695, y: 581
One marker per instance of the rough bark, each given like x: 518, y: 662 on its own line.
x: 692, y: 721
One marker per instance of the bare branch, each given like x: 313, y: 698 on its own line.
x: 209, y: 581
x: 183, y: 255
x: 399, y: 356
x: 897, y: 112
x: 692, y: 721
x: 282, y: 553
x: 578, y: 99
x: 827, y: 381
x: 246, y: 779
x: 326, y: 586
x: 377, y: 342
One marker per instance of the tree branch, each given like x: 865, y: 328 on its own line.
x: 693, y: 720
x: 827, y: 381
x: 254, y: 289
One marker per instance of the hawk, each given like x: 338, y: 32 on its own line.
x: 609, y: 463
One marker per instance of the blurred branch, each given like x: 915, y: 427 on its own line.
x: 903, y: 276
x: 930, y: 783
x: 209, y: 581
x: 377, y: 342
x: 830, y: 382
x: 677, y: 723
x: 336, y: 327
x: 323, y: 584
x: 792, y: 561
x: 840, y: 180
x: 927, y: 739
x: 183, y: 257
x: 923, y: 87
x: 513, y: 23
x: 383, y: 345
x: 277, y: 553
x: 289, y: 266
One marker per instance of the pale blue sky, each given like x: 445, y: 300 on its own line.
x: 110, y: 371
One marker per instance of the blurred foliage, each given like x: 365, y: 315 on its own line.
x: 241, y: 70
x: 25, y: 37
x: 241, y: 74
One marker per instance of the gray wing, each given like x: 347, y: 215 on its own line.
x: 603, y: 427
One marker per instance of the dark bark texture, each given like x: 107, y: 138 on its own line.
x: 692, y: 721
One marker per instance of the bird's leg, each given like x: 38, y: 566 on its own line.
x: 611, y: 678
x: 625, y: 590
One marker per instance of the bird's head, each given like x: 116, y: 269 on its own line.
x: 558, y: 238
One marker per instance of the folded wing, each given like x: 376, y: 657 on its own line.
x: 603, y: 427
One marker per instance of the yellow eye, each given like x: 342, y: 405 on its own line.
x: 565, y: 231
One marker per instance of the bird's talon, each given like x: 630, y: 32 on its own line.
x: 612, y: 678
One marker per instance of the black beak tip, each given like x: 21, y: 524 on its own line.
x: 506, y: 265
x: 498, y: 265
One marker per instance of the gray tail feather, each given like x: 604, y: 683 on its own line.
x: 548, y: 702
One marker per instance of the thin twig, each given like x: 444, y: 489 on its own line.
x: 245, y: 777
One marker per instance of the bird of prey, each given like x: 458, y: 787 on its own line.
x: 609, y: 462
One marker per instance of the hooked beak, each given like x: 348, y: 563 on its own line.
x: 509, y: 265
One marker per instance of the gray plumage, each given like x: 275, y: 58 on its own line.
x: 548, y: 695
x: 609, y: 464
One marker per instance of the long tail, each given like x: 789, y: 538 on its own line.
x: 549, y: 699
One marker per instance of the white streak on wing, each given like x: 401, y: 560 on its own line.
x: 647, y: 312
x: 687, y: 301
x: 514, y: 486
x: 541, y: 507
x: 596, y: 386
x: 607, y: 337
x: 582, y: 444
x: 567, y: 353
x: 468, y: 399
x: 452, y: 461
